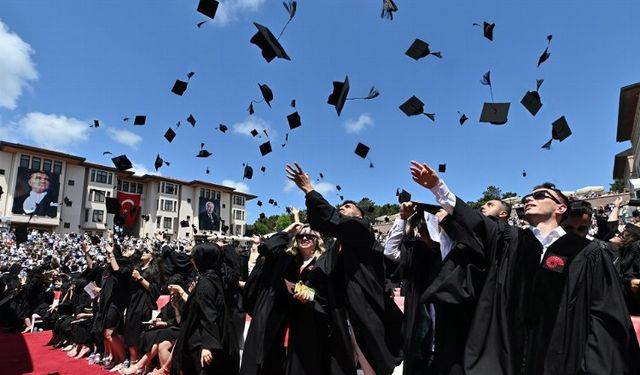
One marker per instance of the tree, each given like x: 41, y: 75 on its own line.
x: 490, y: 193
x: 282, y: 222
x: 617, y: 186
x: 509, y: 194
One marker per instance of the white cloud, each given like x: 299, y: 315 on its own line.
x: 51, y: 130
x: 238, y: 185
x: 321, y: 187
x: 16, y: 67
x: 141, y: 170
x: 356, y: 126
x: 125, y: 137
x: 251, y: 123
x: 230, y: 10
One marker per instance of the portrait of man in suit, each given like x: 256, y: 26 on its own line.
x: 38, y: 196
x: 209, y: 217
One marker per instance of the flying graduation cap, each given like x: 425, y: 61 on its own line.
x: 463, y: 118
x: 294, y: 120
x: 531, y: 100
x: 203, y: 153
x: 559, y: 131
x: 267, y: 42
x: 265, y: 148
x: 419, y: 49
x: 545, y: 55
x: 362, y: 150
x: 122, y: 163
x: 267, y: 97
x: 169, y: 135
x: 403, y: 196
x: 493, y: 113
x: 414, y: 106
x: 340, y: 92
x: 207, y: 8
x: 248, y: 172
x: 388, y: 8
x: 487, y: 29
x: 223, y: 128
x: 138, y: 120
x: 191, y: 120
x: 96, y: 124
x: 159, y: 162
x: 179, y: 87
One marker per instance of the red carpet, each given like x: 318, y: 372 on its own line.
x: 27, y: 354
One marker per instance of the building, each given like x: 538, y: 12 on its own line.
x: 625, y: 166
x: 73, y: 194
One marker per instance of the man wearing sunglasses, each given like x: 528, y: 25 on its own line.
x: 551, y: 303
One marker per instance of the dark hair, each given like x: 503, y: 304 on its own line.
x: 563, y: 198
x: 580, y: 207
x: 355, y: 204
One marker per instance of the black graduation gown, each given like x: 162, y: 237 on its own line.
x: 629, y: 269
x: 158, y: 335
x: 564, y: 315
x: 355, y: 267
x: 205, y: 325
x: 141, y: 303
x: 115, y: 294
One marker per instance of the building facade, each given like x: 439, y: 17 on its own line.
x: 64, y: 193
x: 626, y: 163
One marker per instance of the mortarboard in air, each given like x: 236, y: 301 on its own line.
x: 268, y: 43
x: 223, y: 128
x: 362, y: 150
x: 524, y: 173
x: 179, y: 87
x: 419, y: 49
x: 339, y: 94
x: 388, y: 8
x: 113, y: 206
x: 271, y: 201
x: 169, y: 135
x: 267, y: 94
x: 263, y: 169
x: 250, y: 109
x: 293, y: 103
x: 207, y: 171
x: 262, y: 215
x: 286, y: 139
x: 495, y: 113
x: 463, y: 118
x: 294, y: 120
x: 426, y: 207
x: 122, y: 163
x: 254, y: 132
x: 442, y: 168
x: 203, y: 153
x: 414, y: 106
x: 545, y: 55
x: 531, y: 100
x: 259, y: 203
x: 559, y: 131
x: 338, y: 187
x: 96, y: 124
x: 487, y: 29
x: 184, y: 224
x: 140, y: 120
x: 265, y: 148
x: 248, y: 172
x: 107, y: 153
x: 404, y: 196
x: 191, y: 120
x: 208, y: 8
x: 159, y: 161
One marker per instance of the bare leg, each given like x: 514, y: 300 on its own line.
x: 117, y: 348
x: 133, y: 354
x: 164, y: 352
x: 82, y: 351
x: 27, y: 324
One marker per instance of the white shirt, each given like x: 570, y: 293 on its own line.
x: 29, y: 205
x: 394, y: 239
x: 549, y: 239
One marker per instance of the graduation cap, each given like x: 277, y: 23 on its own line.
x: 495, y: 113
x: 66, y: 201
x: 403, y: 196
x: 463, y: 118
x: 96, y: 124
x: 223, y: 128
x: 362, y: 150
x: 113, y: 206
x: 191, y: 120
x: 208, y: 8
x: 545, y: 55
x: 414, y: 106
x: 419, y: 49
x: 107, y: 153
x: 259, y: 203
x: 338, y: 187
x: 122, y: 163
x: 263, y: 169
x: 267, y: 94
x: 265, y: 148
x: 169, y: 135
x: 254, y: 132
x: 184, y: 224
x: 426, y: 207
x: 634, y: 202
x: 487, y: 29
x: 271, y: 201
x: 262, y: 215
x: 524, y: 173
x: 179, y: 87
x: 339, y: 94
x: 140, y: 120
x: 159, y: 161
x: 21, y: 233
x: 248, y: 172
x: 268, y: 43
x: 531, y: 100
x: 559, y: 131
x: 207, y: 171
x: 294, y: 120
x: 286, y: 139
x: 203, y: 153
x: 442, y: 168
x: 388, y: 8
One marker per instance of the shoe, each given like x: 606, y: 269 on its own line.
x: 115, y: 368
x: 97, y: 359
x: 92, y: 358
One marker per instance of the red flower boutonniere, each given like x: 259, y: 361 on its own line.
x: 555, y: 263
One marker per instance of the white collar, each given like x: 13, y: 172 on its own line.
x: 550, y: 238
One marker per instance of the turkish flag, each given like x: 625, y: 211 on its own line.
x: 129, y: 208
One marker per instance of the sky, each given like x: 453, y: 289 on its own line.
x: 66, y: 63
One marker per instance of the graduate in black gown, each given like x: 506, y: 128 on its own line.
x: 629, y: 266
x: 356, y: 294
x: 551, y: 303
x: 205, y: 344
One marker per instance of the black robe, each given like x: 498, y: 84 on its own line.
x: 629, y: 269
x: 142, y: 301
x: 115, y: 294
x: 564, y: 315
x: 355, y: 267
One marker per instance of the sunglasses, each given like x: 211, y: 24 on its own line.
x: 308, y: 237
x: 540, y: 195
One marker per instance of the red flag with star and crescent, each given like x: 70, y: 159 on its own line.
x: 129, y: 208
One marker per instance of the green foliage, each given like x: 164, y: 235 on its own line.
x: 283, y: 221
x: 509, y: 194
x: 490, y: 193
x: 617, y: 186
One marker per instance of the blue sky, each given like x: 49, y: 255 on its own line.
x: 65, y: 63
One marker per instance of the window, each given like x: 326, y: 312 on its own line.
x: 86, y: 215
x: 72, y: 182
x: 158, y: 221
x: 167, y: 223
x: 98, y: 216
x: 139, y: 188
x: 46, y: 165
x: 97, y: 195
x: 238, y: 200
x: 168, y: 188
x: 238, y: 230
x: 93, y: 175
x: 35, y: 163
x: 168, y: 205
x: 25, y: 161
x: 210, y: 194
x: 238, y: 214
x: 57, y: 167
x: 67, y: 225
x: 101, y: 177
x: 125, y: 186
x: 129, y: 187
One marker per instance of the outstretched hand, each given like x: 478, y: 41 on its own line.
x: 297, y: 175
x: 423, y: 174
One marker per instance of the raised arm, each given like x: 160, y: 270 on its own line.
x: 395, y: 235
